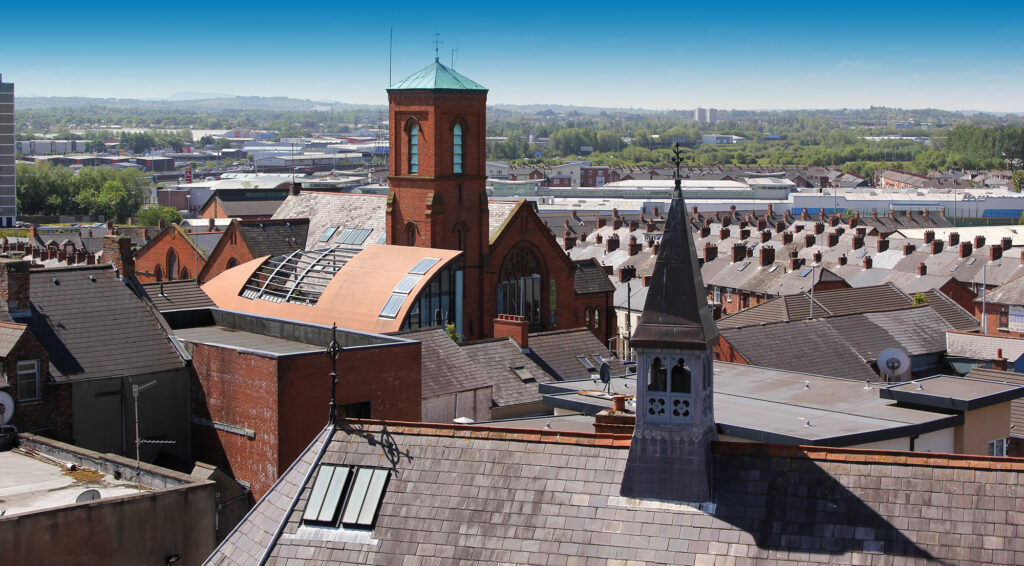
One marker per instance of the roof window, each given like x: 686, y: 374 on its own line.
x: 346, y: 496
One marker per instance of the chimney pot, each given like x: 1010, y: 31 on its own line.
x: 514, y: 327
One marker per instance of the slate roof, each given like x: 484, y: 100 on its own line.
x: 345, y: 210
x: 265, y: 207
x: 446, y: 368
x: 977, y: 346
x: 498, y: 211
x: 92, y: 325
x: 557, y: 352
x: 182, y: 294
x: 805, y: 346
x: 1009, y: 293
x: 590, y: 277
x: 10, y: 333
x: 437, y: 76
x: 275, y: 237
x: 495, y: 360
x: 952, y: 313
x: 481, y: 495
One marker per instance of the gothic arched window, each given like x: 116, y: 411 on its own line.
x: 520, y: 289
x: 172, y: 265
x: 414, y: 149
x: 656, y: 376
x: 158, y: 273
x: 410, y: 234
x: 681, y: 378
x: 457, y: 149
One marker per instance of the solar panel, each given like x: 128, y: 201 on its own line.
x: 330, y: 232
x: 407, y: 283
x: 393, y: 305
x: 424, y: 265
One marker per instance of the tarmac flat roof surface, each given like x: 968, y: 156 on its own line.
x: 242, y: 340
x: 30, y: 484
x: 785, y: 407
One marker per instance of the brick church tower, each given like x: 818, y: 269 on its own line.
x: 437, y: 175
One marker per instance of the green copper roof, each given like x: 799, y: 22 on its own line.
x: 436, y: 77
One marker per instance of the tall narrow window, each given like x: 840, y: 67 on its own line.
x: 28, y: 380
x: 681, y: 378
x: 414, y: 149
x: 457, y: 149
x: 656, y: 377
x: 172, y: 264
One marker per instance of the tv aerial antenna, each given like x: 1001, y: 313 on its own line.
x: 139, y: 441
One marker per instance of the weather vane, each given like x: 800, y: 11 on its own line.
x: 437, y: 46
x: 333, y: 352
x: 677, y: 159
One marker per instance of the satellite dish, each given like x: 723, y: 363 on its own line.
x: 606, y: 372
x: 894, y: 364
x: 88, y: 495
x: 6, y: 407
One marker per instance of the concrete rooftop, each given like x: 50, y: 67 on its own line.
x: 30, y: 483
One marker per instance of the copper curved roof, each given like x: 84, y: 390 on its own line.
x: 353, y: 298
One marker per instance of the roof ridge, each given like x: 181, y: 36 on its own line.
x: 497, y: 433
x: 870, y: 456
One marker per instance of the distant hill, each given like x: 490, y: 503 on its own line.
x: 193, y: 95
x: 185, y: 101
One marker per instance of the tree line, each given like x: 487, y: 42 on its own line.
x: 48, y: 189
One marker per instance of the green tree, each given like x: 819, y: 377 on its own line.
x: 152, y: 215
x: 1018, y: 180
x: 920, y: 299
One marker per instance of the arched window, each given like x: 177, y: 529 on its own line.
x: 232, y: 263
x: 457, y: 149
x: 414, y: 149
x: 172, y: 264
x: 597, y: 318
x: 680, y: 377
x: 158, y: 273
x: 656, y: 376
x: 410, y: 234
x: 185, y: 274
x: 586, y: 319
x: 521, y: 289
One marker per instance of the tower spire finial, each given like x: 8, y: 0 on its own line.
x: 677, y: 159
x: 437, y: 46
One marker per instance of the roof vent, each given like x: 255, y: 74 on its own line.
x: 92, y: 278
x: 56, y: 281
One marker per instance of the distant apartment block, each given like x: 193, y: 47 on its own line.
x: 8, y: 202
x: 706, y: 115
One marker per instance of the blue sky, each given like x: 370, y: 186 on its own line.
x: 726, y: 55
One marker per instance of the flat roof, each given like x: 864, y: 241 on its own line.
x: 781, y: 407
x: 30, y: 484
x: 954, y: 393
x: 242, y: 340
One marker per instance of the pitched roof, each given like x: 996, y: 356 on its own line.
x: 513, y: 375
x: 437, y: 76
x: 182, y: 294
x: 338, y: 211
x: 10, y: 333
x: 952, y: 313
x: 481, y: 495
x: 446, y: 368
x: 807, y: 346
x: 265, y: 206
x: 590, y: 277
x: 275, y: 237
x: 676, y: 313
x: 1009, y: 293
x: 558, y: 351
x: 92, y: 325
x: 498, y: 211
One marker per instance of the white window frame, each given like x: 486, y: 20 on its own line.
x: 997, y: 447
x: 29, y: 369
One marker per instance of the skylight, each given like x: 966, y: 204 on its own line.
x: 299, y: 277
x: 345, y: 496
x: 393, y: 305
x: 742, y: 266
x: 407, y: 283
x: 424, y: 266
x: 327, y: 235
x: 804, y: 272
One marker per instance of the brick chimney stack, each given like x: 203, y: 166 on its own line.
x: 883, y: 245
x: 634, y: 246
x: 705, y: 231
x: 843, y: 259
x: 936, y: 247
x: 766, y: 236
x: 612, y: 243
x: 979, y: 242
x: 908, y: 249
x: 966, y: 250
x: 780, y: 226
x: 1007, y: 243
x: 817, y: 256
x: 929, y: 236
x: 568, y: 240
x: 797, y: 228
x: 867, y: 262
x: 1000, y: 362
x: 787, y: 238
x: 117, y: 250
x: 601, y: 221
x: 995, y: 252
x: 954, y: 238
x: 809, y: 240
x: 767, y: 256
x: 739, y: 252
x: 14, y: 286
x: 819, y: 227
x: 723, y: 234
x: 515, y: 327
x: 794, y: 261
x: 922, y: 269
x: 832, y: 239
x: 803, y: 215
x: 744, y: 234
x: 626, y: 273
x: 710, y: 252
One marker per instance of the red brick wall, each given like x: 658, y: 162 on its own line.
x: 49, y: 416
x: 241, y: 390
x: 724, y: 352
x: 388, y: 377
x: 231, y: 246
x: 960, y: 294
x: 286, y: 400
x: 155, y: 253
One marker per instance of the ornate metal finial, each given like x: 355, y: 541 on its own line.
x: 437, y: 46
x: 334, y: 351
x: 677, y: 160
